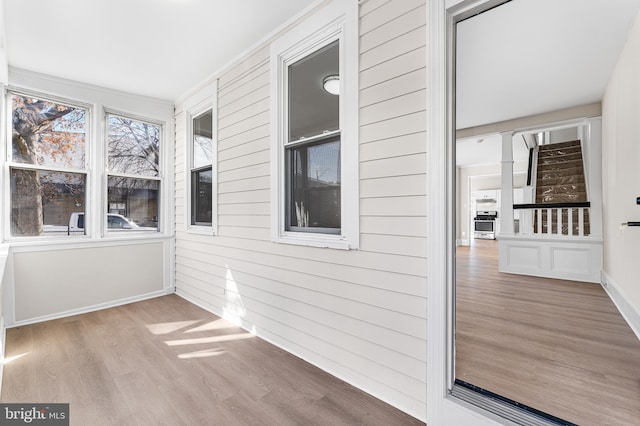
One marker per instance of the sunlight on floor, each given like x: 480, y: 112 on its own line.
x: 169, y: 327
x: 9, y: 359
x: 203, y: 354
x: 212, y: 339
x: 218, y: 324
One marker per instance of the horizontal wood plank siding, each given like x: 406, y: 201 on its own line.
x: 359, y: 314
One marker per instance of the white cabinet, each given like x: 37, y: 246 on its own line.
x: 487, y: 199
x: 487, y: 195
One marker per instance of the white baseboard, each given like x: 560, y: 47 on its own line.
x: 92, y: 308
x: 629, y: 312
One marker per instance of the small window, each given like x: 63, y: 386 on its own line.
x: 47, y: 166
x: 134, y: 179
x: 201, y: 170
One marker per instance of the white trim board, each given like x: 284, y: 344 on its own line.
x: 629, y: 312
x: 442, y: 408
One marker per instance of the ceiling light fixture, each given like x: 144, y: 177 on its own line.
x: 332, y: 84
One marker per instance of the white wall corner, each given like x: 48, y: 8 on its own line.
x: 6, y: 299
x: 4, y: 63
x: 629, y: 312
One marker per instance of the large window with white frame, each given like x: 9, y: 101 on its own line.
x: 134, y: 178
x: 312, y: 148
x: 47, y: 165
x: 314, y: 167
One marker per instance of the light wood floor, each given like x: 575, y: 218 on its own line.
x: 167, y: 362
x: 557, y: 346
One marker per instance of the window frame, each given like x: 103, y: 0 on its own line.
x: 193, y: 222
x: 336, y: 21
x: 10, y: 164
x: 104, y: 225
x: 205, y: 100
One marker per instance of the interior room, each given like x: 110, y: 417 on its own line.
x: 268, y: 213
x: 529, y: 198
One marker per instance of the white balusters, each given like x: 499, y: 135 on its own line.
x: 557, y: 221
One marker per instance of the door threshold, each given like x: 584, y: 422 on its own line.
x: 505, y: 407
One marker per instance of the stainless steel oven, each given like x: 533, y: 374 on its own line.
x: 484, y: 225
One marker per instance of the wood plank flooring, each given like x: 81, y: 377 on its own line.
x: 165, y: 361
x: 557, y: 346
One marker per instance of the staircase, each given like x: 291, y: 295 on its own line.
x: 560, y: 179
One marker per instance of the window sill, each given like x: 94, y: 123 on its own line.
x: 200, y: 230
x: 314, y: 240
x: 40, y: 244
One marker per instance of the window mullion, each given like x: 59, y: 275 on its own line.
x: 325, y: 135
x: 198, y: 169
x: 25, y: 166
x: 134, y: 176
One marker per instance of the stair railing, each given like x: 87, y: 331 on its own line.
x: 555, y: 219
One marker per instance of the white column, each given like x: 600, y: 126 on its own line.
x: 593, y: 169
x: 506, y: 204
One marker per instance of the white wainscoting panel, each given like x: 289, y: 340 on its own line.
x: 578, y: 259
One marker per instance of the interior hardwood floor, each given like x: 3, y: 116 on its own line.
x: 554, y: 345
x: 165, y: 361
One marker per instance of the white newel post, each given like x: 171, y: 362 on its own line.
x: 506, y: 205
x: 594, y: 171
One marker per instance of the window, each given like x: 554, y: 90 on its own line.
x: 201, y: 169
x: 312, y: 151
x: 47, y: 166
x: 200, y: 166
x: 314, y: 166
x: 133, y: 182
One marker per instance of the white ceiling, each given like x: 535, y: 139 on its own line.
x: 478, y: 151
x: 528, y: 57
x: 522, y: 58
x: 159, y: 48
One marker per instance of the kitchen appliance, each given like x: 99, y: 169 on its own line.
x: 484, y: 224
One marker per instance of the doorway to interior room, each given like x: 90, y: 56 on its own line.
x: 550, y: 350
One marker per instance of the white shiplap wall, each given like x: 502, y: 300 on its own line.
x: 360, y: 315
